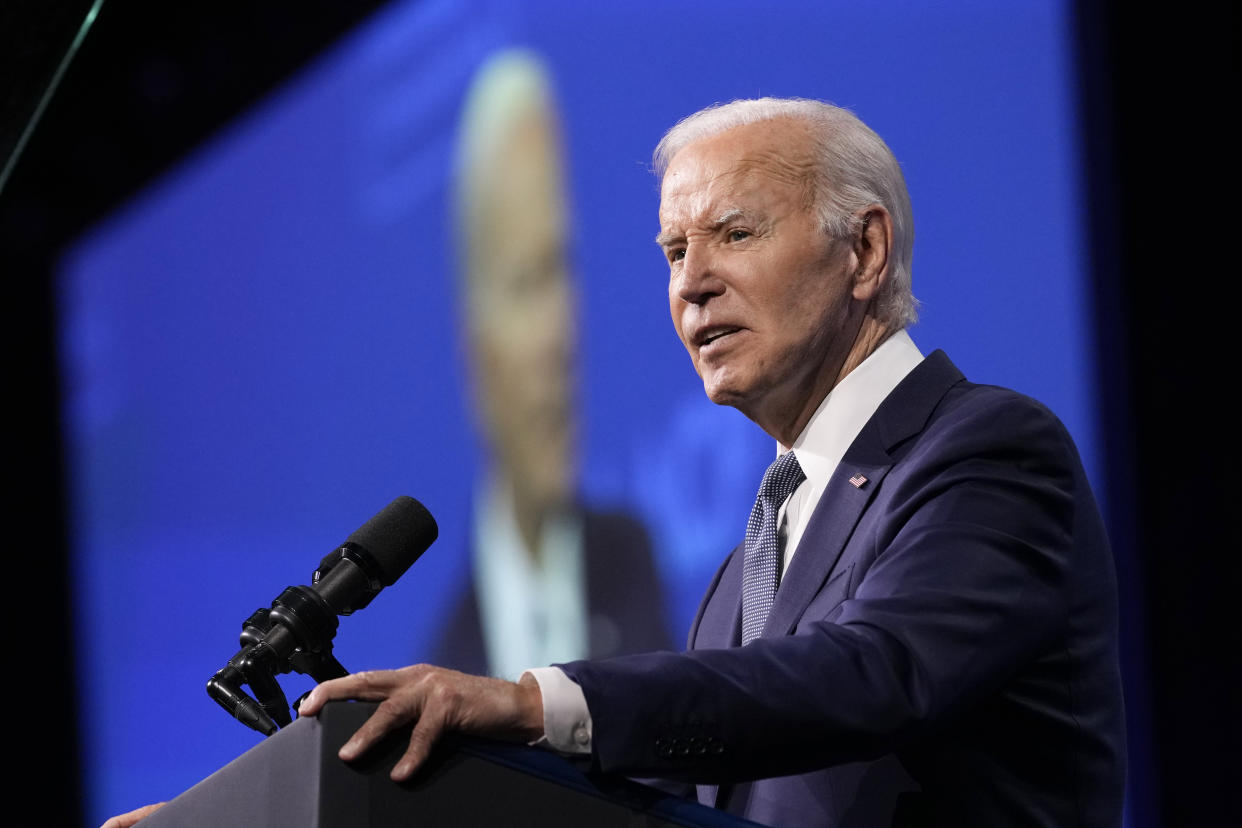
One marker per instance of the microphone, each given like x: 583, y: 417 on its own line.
x: 296, y: 632
x: 375, y: 555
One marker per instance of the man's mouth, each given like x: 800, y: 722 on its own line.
x: 708, y: 337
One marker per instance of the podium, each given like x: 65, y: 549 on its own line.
x: 294, y: 779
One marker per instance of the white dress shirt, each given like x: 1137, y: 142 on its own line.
x: 819, y: 449
x: 834, y: 426
x: 532, y: 607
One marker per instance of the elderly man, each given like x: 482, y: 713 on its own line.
x: 551, y: 578
x: 920, y: 626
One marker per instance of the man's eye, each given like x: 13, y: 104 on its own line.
x: 676, y: 254
x: 738, y: 235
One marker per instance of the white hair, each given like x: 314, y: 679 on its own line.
x: 854, y: 170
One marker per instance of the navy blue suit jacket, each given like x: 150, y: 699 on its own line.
x: 941, y: 651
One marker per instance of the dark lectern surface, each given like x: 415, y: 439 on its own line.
x: 295, y: 780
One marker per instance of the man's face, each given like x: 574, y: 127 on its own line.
x: 759, y: 294
x: 521, y: 316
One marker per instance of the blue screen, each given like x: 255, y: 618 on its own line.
x: 265, y: 347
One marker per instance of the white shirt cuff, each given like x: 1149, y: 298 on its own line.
x: 566, y: 720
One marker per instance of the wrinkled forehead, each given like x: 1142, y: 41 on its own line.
x: 776, y: 153
x: 699, y: 187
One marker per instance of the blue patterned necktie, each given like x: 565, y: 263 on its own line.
x: 761, y: 564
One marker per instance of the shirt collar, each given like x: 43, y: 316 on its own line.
x: 850, y: 404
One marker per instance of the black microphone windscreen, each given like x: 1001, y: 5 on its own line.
x: 397, y: 536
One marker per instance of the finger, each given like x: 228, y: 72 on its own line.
x: 424, y: 737
x: 372, y: 685
x: 126, y: 820
x: 389, y: 716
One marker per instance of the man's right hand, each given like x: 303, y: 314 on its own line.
x: 436, y: 701
x: 126, y: 820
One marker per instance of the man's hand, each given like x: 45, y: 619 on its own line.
x: 436, y: 700
x: 126, y: 820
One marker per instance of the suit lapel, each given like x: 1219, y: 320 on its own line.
x: 903, y: 414
x: 830, y: 527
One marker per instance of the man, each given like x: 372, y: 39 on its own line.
x: 551, y: 580
x: 941, y: 646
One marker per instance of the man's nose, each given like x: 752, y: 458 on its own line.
x: 698, y: 279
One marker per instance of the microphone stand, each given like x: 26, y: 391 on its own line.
x: 293, y: 635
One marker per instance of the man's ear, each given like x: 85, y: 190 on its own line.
x: 873, y: 241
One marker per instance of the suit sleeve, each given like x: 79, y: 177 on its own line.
x: 961, y: 581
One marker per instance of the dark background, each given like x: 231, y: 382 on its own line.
x: 151, y: 81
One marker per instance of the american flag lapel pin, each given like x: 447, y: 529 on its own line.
x: 858, y: 481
